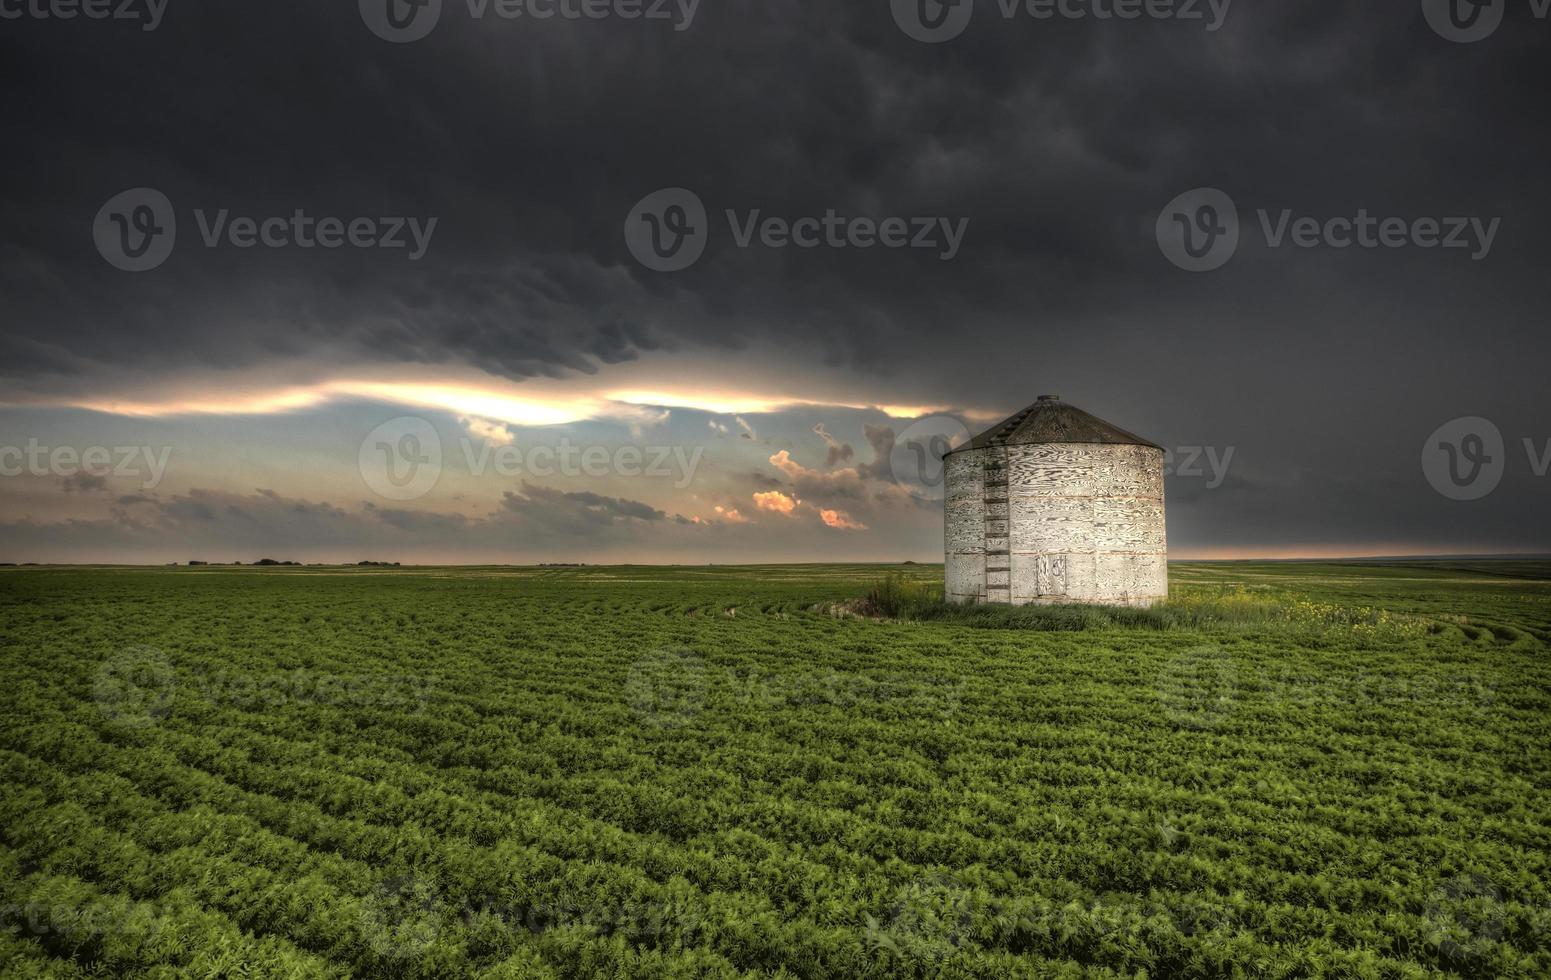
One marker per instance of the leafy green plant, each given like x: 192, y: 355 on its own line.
x: 1286, y: 770
x: 896, y: 597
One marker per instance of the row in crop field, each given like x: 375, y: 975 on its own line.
x: 603, y: 772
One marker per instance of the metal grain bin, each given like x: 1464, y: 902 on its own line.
x: 1056, y: 505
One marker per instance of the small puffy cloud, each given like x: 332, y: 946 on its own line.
x: 839, y: 452
x: 84, y: 482
x: 841, y: 521
x: 846, y: 484
x: 784, y: 462
x: 730, y: 514
x: 718, y: 428
x: 748, y: 430
x: 776, y: 502
x: 495, y: 433
x: 646, y: 419
x: 881, y: 439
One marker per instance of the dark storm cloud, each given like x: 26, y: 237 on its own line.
x: 557, y: 508
x: 529, y: 142
x: 1059, y: 141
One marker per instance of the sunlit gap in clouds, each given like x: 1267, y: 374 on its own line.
x: 534, y: 403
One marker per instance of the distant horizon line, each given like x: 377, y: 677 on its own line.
x: 1453, y: 556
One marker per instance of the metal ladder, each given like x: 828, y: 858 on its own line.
x: 998, y: 551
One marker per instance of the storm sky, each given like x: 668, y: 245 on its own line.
x: 243, y: 384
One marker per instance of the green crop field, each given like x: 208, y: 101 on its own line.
x: 1290, y: 770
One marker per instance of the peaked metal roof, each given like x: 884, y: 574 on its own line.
x: 1050, y: 420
